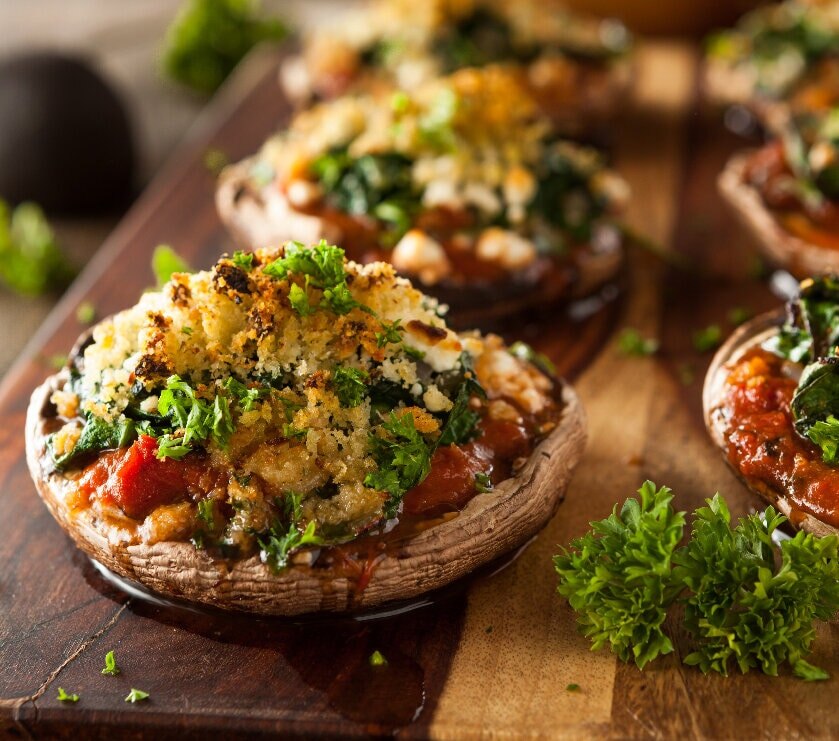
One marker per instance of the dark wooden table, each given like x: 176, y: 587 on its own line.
x: 491, y: 657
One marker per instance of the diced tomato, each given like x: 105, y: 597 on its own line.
x: 448, y: 487
x: 135, y: 480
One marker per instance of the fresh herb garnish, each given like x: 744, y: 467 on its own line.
x: 461, y: 424
x: 738, y: 315
x: 200, y: 420
x: 30, y: 261
x: 744, y: 602
x: 215, y: 160
x: 618, y: 577
x: 350, y: 385
x: 631, y: 342
x: 85, y: 313
x: 243, y: 260
x: 110, y: 664
x: 208, y: 38
x: 825, y: 434
x: 707, y: 338
x: 403, y: 457
x: 573, y: 687
x: 165, y: 262
x: 323, y: 268
x: 65, y: 697
x: 743, y: 606
x: 483, y: 483
x: 377, y: 659
x: 136, y: 695
x: 280, y: 541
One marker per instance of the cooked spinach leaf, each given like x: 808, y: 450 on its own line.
x: 97, y: 435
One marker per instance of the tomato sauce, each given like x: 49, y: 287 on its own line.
x: 768, y: 171
x: 137, y: 482
x: 762, y: 443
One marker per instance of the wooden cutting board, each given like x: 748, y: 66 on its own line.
x: 493, y: 656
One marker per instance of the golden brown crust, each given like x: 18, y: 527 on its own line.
x: 489, y: 526
x: 803, y: 259
x: 744, y: 338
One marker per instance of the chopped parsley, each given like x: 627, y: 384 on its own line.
x: 200, y: 419
x: 136, y: 695
x: 632, y: 342
x: 165, y: 262
x: 391, y: 333
x: 322, y: 266
x: 738, y: 315
x: 281, y: 540
x: 825, y: 434
x: 207, y: 512
x: 85, y: 313
x: 350, y: 385
x: 523, y: 351
x: 403, y: 457
x: 483, y: 483
x: 708, y: 338
x: 377, y: 659
x: 461, y: 424
x: 110, y: 664
x: 65, y: 697
x: 243, y: 260
x: 573, y: 687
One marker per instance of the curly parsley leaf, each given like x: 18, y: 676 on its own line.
x: 461, y: 424
x: 350, y: 385
x: 208, y: 38
x: 745, y: 607
x: 281, y: 541
x: 618, y: 577
x: 322, y: 266
x: 31, y: 262
x: 136, y: 695
x: 243, y: 260
x: 200, y: 419
x: 632, y: 343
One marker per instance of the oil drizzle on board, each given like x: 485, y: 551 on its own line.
x: 332, y: 655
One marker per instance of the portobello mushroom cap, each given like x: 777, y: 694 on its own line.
x: 263, y: 217
x: 800, y: 257
x: 490, y: 525
x: 747, y: 336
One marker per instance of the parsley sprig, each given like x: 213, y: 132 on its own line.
x: 746, y: 602
x: 281, y: 540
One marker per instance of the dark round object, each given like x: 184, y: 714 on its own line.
x: 65, y: 137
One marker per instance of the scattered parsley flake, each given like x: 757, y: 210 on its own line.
x: 708, y: 338
x: 85, y: 313
x: 483, y: 483
x: 110, y: 664
x: 165, y: 262
x: 350, y: 385
x: 136, y: 695
x: 738, y: 315
x: 243, y: 260
x: 65, y: 697
x: 215, y: 160
x: 573, y: 687
x: 377, y: 659
x: 631, y: 342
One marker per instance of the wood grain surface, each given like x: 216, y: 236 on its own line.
x: 491, y: 657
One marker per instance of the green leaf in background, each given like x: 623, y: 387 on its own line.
x: 30, y: 261
x: 166, y: 261
x: 208, y: 38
